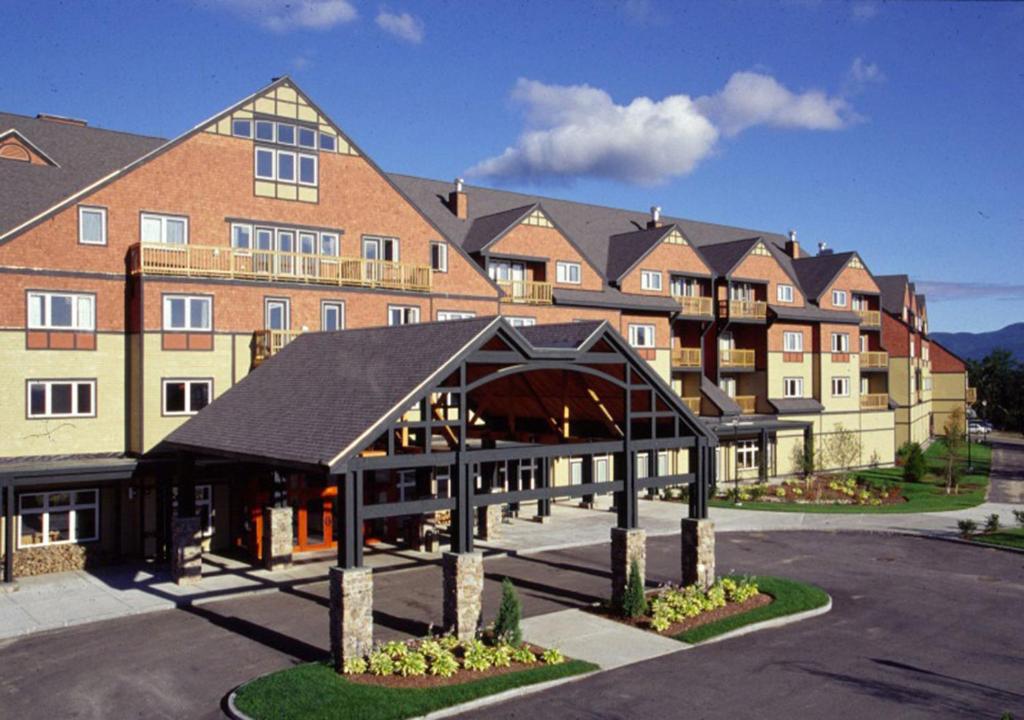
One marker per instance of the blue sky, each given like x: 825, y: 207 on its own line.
x: 891, y: 128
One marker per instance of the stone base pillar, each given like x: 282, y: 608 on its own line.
x: 351, y: 613
x: 186, y: 550
x: 698, y: 548
x: 627, y: 545
x: 488, y: 522
x: 277, y: 538
x: 463, y: 592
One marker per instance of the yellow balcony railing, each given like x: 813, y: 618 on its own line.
x: 272, y: 265
x: 526, y: 291
x: 874, y: 401
x: 730, y: 358
x: 693, y: 403
x: 972, y: 395
x: 747, y: 403
x: 269, y: 342
x: 871, y: 318
x: 686, y: 357
x: 748, y: 309
x: 694, y: 305
x: 874, y: 359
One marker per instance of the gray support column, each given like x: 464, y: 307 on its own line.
x: 350, y: 515
x: 277, y: 537
x: 462, y: 516
x: 463, y: 592
x: 698, y: 552
x: 587, y: 501
x: 351, y: 614
x: 652, y: 471
x: 762, y: 468
x: 9, y: 542
x: 627, y: 545
x: 542, y: 472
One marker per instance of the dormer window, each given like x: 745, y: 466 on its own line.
x: 650, y: 280
x: 839, y: 298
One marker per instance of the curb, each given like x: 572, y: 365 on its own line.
x: 767, y: 624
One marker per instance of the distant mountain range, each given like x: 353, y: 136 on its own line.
x: 975, y: 346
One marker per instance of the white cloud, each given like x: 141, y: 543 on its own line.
x: 286, y: 15
x: 404, y: 26
x: 864, y: 72
x: 579, y: 131
x: 864, y: 11
x: 751, y: 98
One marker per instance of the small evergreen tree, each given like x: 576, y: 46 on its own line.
x: 634, y: 603
x: 506, y: 626
x: 915, y: 467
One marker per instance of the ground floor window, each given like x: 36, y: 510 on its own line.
x: 186, y: 397
x: 61, y: 398
x: 575, y: 471
x: 642, y: 462
x: 53, y: 518
x: 747, y: 452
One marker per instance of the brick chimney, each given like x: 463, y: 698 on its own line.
x: 792, y: 246
x: 458, y: 203
x: 655, y: 221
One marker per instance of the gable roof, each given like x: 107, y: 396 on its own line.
x: 817, y: 272
x: 724, y: 257
x: 488, y: 228
x: 894, y: 288
x: 626, y: 250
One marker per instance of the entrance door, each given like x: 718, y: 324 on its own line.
x: 312, y: 518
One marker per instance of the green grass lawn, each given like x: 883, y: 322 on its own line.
x: 790, y: 597
x: 926, y: 496
x: 1014, y: 537
x: 315, y: 692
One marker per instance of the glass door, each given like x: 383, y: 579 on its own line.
x: 309, y: 260
x: 263, y: 257
x: 286, y: 248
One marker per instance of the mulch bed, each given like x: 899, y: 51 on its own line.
x: 432, y: 681
x: 817, y: 492
x: 644, y: 623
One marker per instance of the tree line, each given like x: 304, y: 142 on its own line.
x: 999, y: 379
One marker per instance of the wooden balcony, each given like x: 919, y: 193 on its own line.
x: 526, y: 292
x: 686, y: 358
x: 972, y: 395
x: 694, y: 305
x: 874, y: 360
x: 736, y: 359
x: 748, y: 309
x: 693, y: 403
x: 874, y: 401
x: 268, y: 342
x: 271, y: 265
x: 870, y: 318
x: 747, y: 403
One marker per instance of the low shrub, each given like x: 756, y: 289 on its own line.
x: 524, y: 655
x: 506, y: 625
x: 381, y: 663
x: 552, y: 656
x: 992, y: 523
x: 444, y: 664
x: 967, y: 528
x: 634, y: 603
x: 673, y: 605
x: 1019, y: 517
x: 915, y: 467
x: 477, y: 656
x: 411, y: 664
x: 354, y: 666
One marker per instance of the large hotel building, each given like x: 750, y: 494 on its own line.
x: 144, y: 277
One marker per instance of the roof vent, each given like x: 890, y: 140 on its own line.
x: 61, y: 119
x: 655, y: 221
x: 822, y: 248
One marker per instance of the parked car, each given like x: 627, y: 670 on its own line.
x: 979, y: 427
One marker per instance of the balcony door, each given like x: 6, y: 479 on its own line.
x: 742, y: 292
x: 728, y: 386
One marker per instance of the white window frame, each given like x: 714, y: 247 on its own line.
x: 102, y: 212
x: 410, y: 314
x: 273, y: 130
x: 189, y: 299
x: 643, y: 462
x: 600, y: 461
x: 188, y: 382
x: 575, y: 471
x: 298, y: 136
x: 793, y: 387
x: 520, y: 321
x: 747, y: 454
x: 83, y: 311
x: 839, y: 298
x: 841, y: 386
x: 48, y: 387
x: 663, y: 463
x: 235, y: 227
x: 316, y: 170
x: 650, y: 280
x: 249, y: 124
x: 446, y: 315
x: 841, y: 342
x: 326, y: 305
x: 277, y: 134
x: 792, y: 341
x: 565, y: 271
x: 163, y: 220
x: 637, y: 333
x: 784, y: 293
x: 442, y: 256
x: 256, y: 163
x: 71, y: 508
x: 278, y: 154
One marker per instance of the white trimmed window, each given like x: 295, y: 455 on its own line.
x: 663, y: 463
x: 521, y: 321
x: 840, y: 342
x: 403, y: 314
x: 241, y: 236
x: 444, y: 315
x: 839, y: 298
x: 265, y: 130
x: 241, y: 127
x: 793, y: 387
x: 332, y: 315
x: 792, y: 342
x: 841, y: 386
x: 912, y: 348
x: 641, y: 336
x: 307, y: 137
x: 784, y: 293
x: 650, y: 280
x: 643, y: 461
x: 186, y: 397
x: 567, y: 272
x: 55, y: 518
x: 286, y: 134
x: 286, y: 166
x: 308, y: 169
x: 167, y: 229
x: 747, y: 452
x: 264, y: 163
x: 439, y: 257
x: 61, y: 398
x: 61, y: 311
x: 188, y: 313
x: 575, y: 471
x: 92, y: 225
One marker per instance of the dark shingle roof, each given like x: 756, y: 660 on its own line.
x: 723, y: 257
x: 612, y: 298
x: 813, y: 313
x: 817, y: 272
x: 561, y: 335
x: 82, y: 155
x: 625, y: 249
x: 893, y: 288
x: 485, y: 229
x: 719, y: 398
x: 796, y: 406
